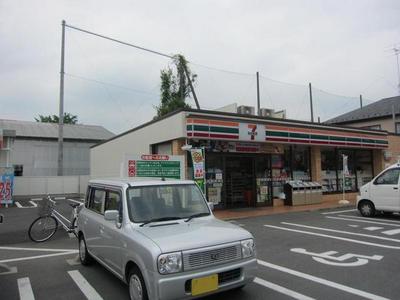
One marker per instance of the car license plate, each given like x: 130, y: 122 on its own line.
x: 204, y: 284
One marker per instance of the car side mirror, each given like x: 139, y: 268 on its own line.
x: 111, y: 215
x: 211, y: 205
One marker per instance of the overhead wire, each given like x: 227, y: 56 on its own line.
x: 191, y: 62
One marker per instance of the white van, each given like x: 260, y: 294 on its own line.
x: 381, y: 194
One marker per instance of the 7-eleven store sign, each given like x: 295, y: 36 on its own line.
x: 225, y: 130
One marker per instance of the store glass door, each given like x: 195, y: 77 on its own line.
x: 263, y: 180
x: 240, y: 183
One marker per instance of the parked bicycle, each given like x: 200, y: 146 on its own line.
x: 46, y: 225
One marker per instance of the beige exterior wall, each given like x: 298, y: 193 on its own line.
x: 392, y: 154
x: 378, y: 161
x: 386, y: 124
x: 106, y: 159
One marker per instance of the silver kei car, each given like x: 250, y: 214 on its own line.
x: 162, y: 239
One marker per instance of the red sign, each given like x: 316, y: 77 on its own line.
x: 131, y: 168
x: 154, y: 157
x: 253, y: 131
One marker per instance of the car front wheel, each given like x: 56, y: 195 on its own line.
x: 137, y: 287
x: 366, y: 209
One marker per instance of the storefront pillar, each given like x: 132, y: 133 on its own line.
x: 379, y: 161
x: 316, y: 174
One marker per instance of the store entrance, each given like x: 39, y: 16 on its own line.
x: 240, y: 181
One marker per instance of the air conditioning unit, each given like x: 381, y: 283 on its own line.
x: 246, y: 110
x: 266, y: 112
x: 279, y: 114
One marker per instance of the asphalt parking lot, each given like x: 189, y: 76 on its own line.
x: 330, y: 254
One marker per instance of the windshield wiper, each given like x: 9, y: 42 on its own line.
x: 159, y: 220
x: 203, y: 214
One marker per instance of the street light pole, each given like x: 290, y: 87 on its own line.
x: 61, y: 111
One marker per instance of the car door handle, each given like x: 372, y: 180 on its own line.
x: 395, y: 188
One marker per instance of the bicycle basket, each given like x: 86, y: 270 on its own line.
x: 45, y: 207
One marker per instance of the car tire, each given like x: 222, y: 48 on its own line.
x: 367, y: 209
x: 136, y: 285
x: 84, y: 256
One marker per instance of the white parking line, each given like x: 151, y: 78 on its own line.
x: 59, y: 198
x: 19, y: 205
x: 84, y: 286
x: 391, y: 232
x: 37, y: 256
x: 9, y: 270
x: 343, y: 232
x: 36, y: 199
x: 334, y: 237
x: 364, y: 221
x: 25, y: 289
x: 337, y: 212
x: 373, y: 228
x: 36, y: 249
x: 380, y: 219
x: 322, y: 281
x: 281, y: 289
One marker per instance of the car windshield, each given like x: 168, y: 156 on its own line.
x: 176, y: 201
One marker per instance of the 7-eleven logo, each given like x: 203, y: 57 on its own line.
x: 252, y: 131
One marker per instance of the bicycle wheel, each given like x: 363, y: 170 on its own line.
x: 42, y: 229
x: 73, y: 227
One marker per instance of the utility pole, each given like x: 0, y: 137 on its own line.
x: 258, y: 95
x: 191, y: 88
x: 60, y: 165
x: 311, y: 104
x: 361, y: 104
x: 397, y: 52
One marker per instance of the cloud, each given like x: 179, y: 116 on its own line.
x: 340, y: 47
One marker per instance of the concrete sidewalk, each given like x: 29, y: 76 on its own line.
x: 239, y: 213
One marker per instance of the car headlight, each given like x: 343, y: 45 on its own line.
x: 170, y: 263
x: 248, y: 248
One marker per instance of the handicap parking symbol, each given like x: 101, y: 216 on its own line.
x: 345, y: 260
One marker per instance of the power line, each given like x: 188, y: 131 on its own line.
x: 119, y: 41
x: 110, y: 84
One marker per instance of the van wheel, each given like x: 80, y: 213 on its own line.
x: 84, y: 256
x: 137, y: 287
x: 366, y: 209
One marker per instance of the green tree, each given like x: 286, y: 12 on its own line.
x: 175, y: 87
x: 68, y: 119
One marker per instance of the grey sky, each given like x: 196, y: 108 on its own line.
x: 340, y: 46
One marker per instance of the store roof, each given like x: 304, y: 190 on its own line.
x: 379, y: 109
x: 50, y: 130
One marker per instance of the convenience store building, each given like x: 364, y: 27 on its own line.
x: 248, y: 158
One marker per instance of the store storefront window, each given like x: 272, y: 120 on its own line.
x: 364, y: 171
x: 301, y: 163
x: 359, y: 164
x: 262, y: 166
x: 350, y: 178
x: 280, y: 173
x: 214, y: 179
x: 328, y: 170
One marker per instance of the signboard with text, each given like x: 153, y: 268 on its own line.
x: 198, y: 166
x: 6, y: 185
x: 154, y: 165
